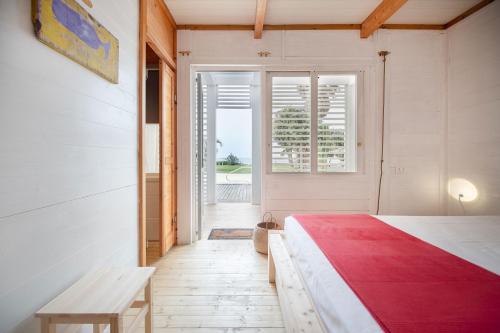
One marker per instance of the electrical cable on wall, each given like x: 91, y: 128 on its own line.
x: 384, y: 55
x: 460, y: 201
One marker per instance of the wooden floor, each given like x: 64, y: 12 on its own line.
x: 215, y: 286
x: 234, y: 192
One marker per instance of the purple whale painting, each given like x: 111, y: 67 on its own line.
x: 78, y: 25
x: 69, y: 29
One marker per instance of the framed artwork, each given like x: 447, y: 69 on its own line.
x: 69, y: 29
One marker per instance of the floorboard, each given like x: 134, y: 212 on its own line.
x: 234, y: 192
x: 214, y: 286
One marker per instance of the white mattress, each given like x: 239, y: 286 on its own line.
x: 473, y: 238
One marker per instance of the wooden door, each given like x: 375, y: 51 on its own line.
x: 167, y: 155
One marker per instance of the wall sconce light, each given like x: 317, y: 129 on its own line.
x: 462, y: 190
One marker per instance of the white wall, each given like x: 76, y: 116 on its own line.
x: 152, y: 148
x: 474, y: 109
x: 416, y: 113
x: 416, y: 110
x: 68, y: 162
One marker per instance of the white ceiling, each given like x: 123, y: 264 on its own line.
x: 431, y: 11
x: 312, y: 11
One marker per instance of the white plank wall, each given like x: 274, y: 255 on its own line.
x: 68, y: 162
x: 341, y: 193
x: 152, y: 148
x: 473, y: 109
x: 415, y: 116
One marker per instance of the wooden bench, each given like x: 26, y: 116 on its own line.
x: 101, y: 298
x: 297, y: 308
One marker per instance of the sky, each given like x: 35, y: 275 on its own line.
x: 234, y: 129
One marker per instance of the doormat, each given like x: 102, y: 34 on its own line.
x: 230, y: 233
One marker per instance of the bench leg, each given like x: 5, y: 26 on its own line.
x: 47, y: 326
x: 271, y: 268
x: 148, y: 297
x: 116, y: 325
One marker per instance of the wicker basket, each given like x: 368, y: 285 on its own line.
x: 261, y: 231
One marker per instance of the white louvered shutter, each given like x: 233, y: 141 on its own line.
x: 335, y: 123
x: 233, y: 97
x: 205, y: 142
x: 291, y: 124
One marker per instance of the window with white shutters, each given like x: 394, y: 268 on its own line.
x: 336, y: 129
x: 291, y: 123
x: 328, y: 143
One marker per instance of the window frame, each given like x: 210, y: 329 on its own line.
x: 358, y: 115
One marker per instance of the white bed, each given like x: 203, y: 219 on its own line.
x: 476, y: 239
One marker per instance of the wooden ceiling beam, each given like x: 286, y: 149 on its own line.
x: 313, y: 27
x: 215, y: 27
x: 270, y: 27
x: 377, y: 18
x: 468, y: 13
x: 260, y: 15
x: 413, y: 26
x: 248, y: 27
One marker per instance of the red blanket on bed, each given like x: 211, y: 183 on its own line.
x: 408, y: 285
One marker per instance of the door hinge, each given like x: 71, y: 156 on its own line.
x: 175, y: 98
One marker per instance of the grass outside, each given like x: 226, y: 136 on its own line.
x: 283, y: 167
x: 242, y: 169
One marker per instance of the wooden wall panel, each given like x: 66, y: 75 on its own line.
x: 167, y: 232
x: 157, y: 32
x: 152, y: 206
x: 160, y: 31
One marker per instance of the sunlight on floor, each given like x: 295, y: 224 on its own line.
x: 230, y: 215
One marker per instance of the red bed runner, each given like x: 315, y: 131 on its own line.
x: 408, y: 285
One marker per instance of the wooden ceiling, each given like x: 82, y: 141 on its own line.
x: 364, y: 15
x: 379, y: 16
x: 260, y: 15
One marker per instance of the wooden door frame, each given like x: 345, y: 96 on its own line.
x: 144, y: 41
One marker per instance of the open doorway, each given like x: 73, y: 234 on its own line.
x: 233, y: 165
x: 227, y: 151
